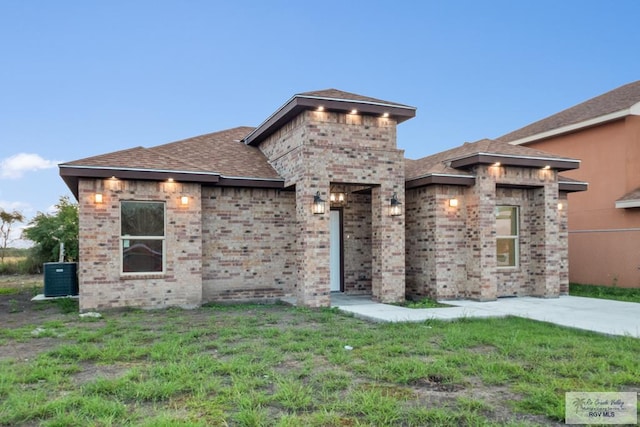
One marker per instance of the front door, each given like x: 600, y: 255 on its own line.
x: 335, y: 250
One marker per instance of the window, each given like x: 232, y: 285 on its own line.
x: 142, y: 237
x: 507, y: 233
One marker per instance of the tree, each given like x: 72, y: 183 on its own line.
x: 47, y: 231
x: 7, y: 220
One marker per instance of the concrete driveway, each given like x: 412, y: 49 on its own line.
x: 592, y: 314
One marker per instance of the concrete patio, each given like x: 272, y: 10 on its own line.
x: 592, y: 314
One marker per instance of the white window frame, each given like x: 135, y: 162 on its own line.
x: 515, y: 237
x: 130, y: 237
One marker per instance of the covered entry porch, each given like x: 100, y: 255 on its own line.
x: 360, y: 237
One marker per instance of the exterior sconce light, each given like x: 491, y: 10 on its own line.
x: 453, y: 202
x: 338, y: 198
x: 98, y: 197
x: 184, y: 200
x: 546, y: 168
x: 318, y: 204
x: 395, y: 207
x: 560, y: 206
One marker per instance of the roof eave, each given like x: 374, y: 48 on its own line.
x: 572, y: 186
x: 634, y: 110
x: 626, y: 204
x: 512, y: 160
x: 440, y: 178
x: 299, y: 103
x: 71, y: 174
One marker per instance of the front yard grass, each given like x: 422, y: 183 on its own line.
x: 605, y: 292
x: 273, y: 365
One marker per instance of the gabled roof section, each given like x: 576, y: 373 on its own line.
x: 218, y: 157
x: 329, y: 100
x: 629, y: 200
x: 613, y: 105
x: 451, y: 166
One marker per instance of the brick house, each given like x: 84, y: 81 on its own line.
x: 319, y: 199
x: 604, y: 222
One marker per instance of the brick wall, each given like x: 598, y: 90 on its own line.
x: 357, y: 244
x: 102, y: 285
x: 316, y: 149
x: 436, y: 245
x: 451, y: 250
x: 248, y: 243
x: 517, y: 281
x: 563, y: 242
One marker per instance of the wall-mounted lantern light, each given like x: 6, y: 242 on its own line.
x: 184, y: 200
x: 560, y: 206
x: 318, y: 204
x: 395, y: 207
x: 98, y: 197
x: 338, y: 198
x: 453, y: 202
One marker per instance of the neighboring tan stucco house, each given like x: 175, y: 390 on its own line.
x: 315, y: 200
x: 604, y: 222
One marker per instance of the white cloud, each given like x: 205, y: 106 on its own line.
x: 15, y: 206
x: 15, y: 166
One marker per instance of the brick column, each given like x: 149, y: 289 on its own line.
x: 313, y: 285
x: 563, y: 249
x: 388, y: 267
x: 481, y: 237
x: 545, y: 241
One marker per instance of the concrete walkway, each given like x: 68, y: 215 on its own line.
x: 592, y: 314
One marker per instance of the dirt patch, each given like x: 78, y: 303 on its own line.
x: 17, y: 310
x: 89, y: 372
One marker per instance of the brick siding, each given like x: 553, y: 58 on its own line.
x: 102, y: 285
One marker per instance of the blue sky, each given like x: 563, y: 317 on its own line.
x: 81, y: 78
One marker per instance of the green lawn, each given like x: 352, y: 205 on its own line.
x: 272, y: 365
x: 606, y: 292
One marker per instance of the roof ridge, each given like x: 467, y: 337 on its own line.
x: 220, y: 132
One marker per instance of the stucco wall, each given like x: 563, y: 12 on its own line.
x: 102, y: 285
x: 604, y: 241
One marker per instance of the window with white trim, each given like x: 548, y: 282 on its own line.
x: 142, y: 236
x: 507, y: 236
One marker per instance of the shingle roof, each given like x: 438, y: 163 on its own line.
x: 629, y: 200
x: 348, y: 96
x: 616, y: 100
x: 440, y: 163
x: 222, y: 152
x: 632, y: 195
x: 218, y: 152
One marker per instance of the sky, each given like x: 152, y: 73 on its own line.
x: 83, y: 78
